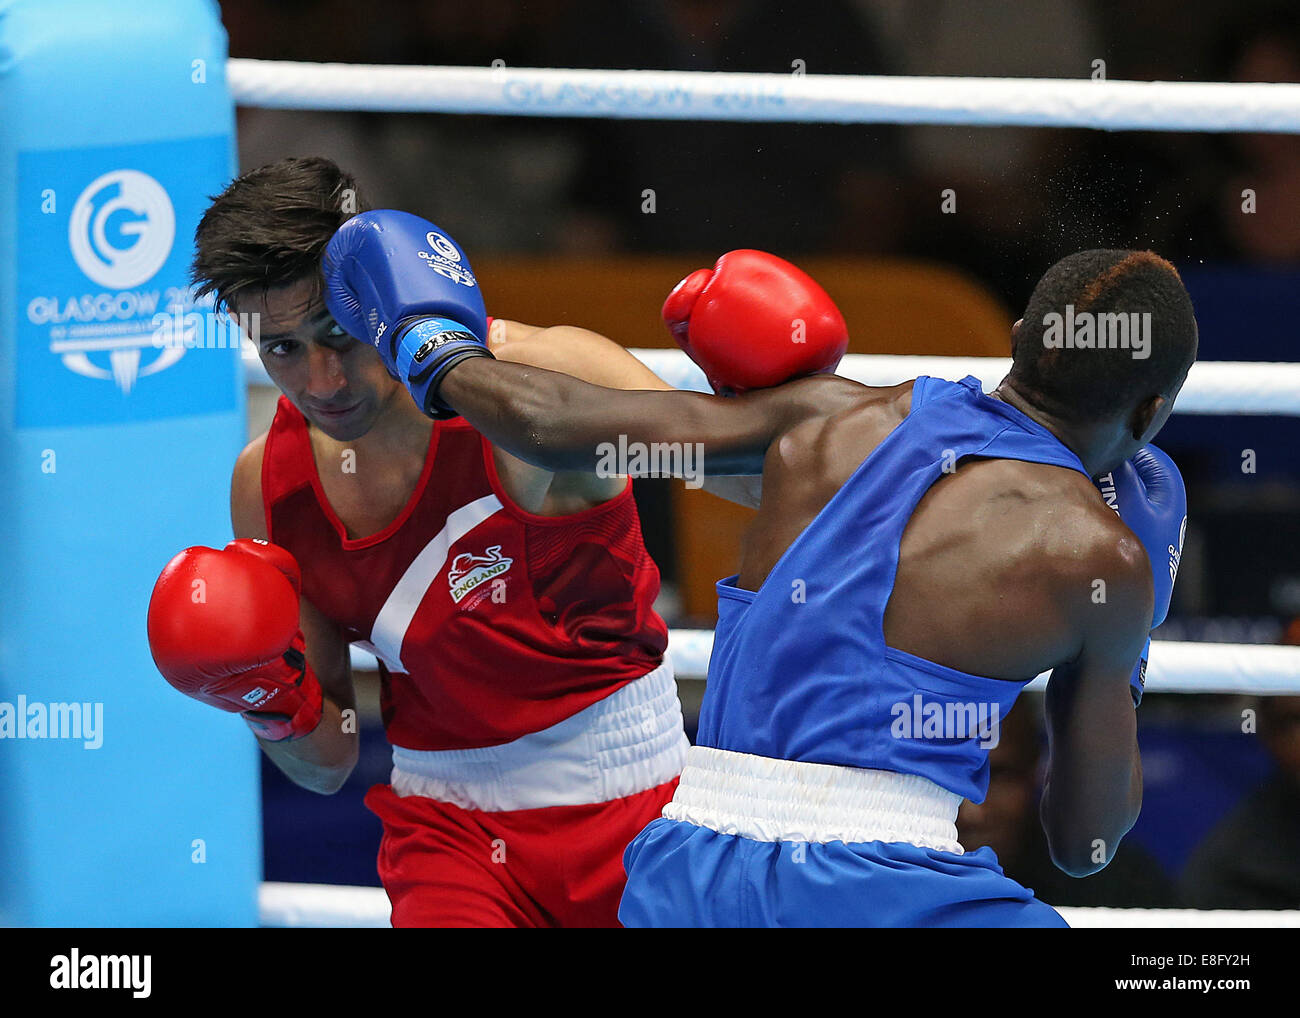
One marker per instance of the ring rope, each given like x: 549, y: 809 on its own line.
x: 819, y: 98
x: 329, y: 905
x: 1174, y: 666
x: 1212, y: 387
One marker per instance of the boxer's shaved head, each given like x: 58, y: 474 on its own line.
x: 1104, y: 292
x: 269, y: 227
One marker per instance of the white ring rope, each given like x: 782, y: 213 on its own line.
x: 1174, y: 666
x: 1178, y: 918
x: 314, y: 906
x: 1212, y: 387
x: 714, y: 95
x: 332, y: 906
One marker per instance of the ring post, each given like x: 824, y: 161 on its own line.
x: 121, y: 802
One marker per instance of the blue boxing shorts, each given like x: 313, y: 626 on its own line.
x: 753, y: 841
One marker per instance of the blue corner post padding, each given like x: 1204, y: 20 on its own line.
x: 121, y: 412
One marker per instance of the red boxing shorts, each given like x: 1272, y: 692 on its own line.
x: 530, y: 833
x: 559, y: 866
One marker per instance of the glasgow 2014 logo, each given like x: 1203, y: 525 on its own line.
x: 122, y: 228
x: 120, y: 233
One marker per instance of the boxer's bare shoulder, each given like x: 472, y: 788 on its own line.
x: 1049, y: 519
x: 1037, y: 535
x: 247, y: 513
x: 1095, y: 558
x: 823, y: 449
x: 1031, y: 524
x: 809, y: 462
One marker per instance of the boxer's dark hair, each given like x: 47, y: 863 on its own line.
x: 269, y: 227
x: 1086, y: 385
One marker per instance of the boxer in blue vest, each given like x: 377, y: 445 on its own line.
x: 921, y: 551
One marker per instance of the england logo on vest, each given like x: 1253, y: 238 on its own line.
x: 469, y: 570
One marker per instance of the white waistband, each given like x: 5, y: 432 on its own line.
x: 626, y: 743
x: 764, y: 799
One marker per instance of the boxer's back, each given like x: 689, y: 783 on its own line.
x: 993, y: 563
x: 919, y: 552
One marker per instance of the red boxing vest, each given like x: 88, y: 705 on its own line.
x: 489, y: 622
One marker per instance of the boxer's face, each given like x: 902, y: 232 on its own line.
x: 339, y: 384
x: 1148, y: 419
x: 1145, y: 424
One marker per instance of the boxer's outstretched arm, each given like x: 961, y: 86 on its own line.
x: 574, y: 351
x: 597, y: 359
x: 559, y: 423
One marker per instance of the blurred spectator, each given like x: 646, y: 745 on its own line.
x: 1252, y: 858
x: 1267, y: 49
x: 1162, y: 40
x: 787, y: 188
x: 1007, y: 821
x: 313, y: 30
x: 1048, y: 39
x: 1023, y: 197
x: 497, y: 183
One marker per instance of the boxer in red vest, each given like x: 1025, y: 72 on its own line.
x: 533, y: 715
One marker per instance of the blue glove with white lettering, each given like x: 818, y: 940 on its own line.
x: 1149, y: 496
x: 395, y: 280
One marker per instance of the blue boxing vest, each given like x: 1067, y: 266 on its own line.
x: 800, y: 669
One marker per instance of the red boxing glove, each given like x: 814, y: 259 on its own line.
x: 753, y: 321
x: 223, y: 628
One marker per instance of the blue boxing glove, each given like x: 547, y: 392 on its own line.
x: 1148, y: 494
x: 398, y: 282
